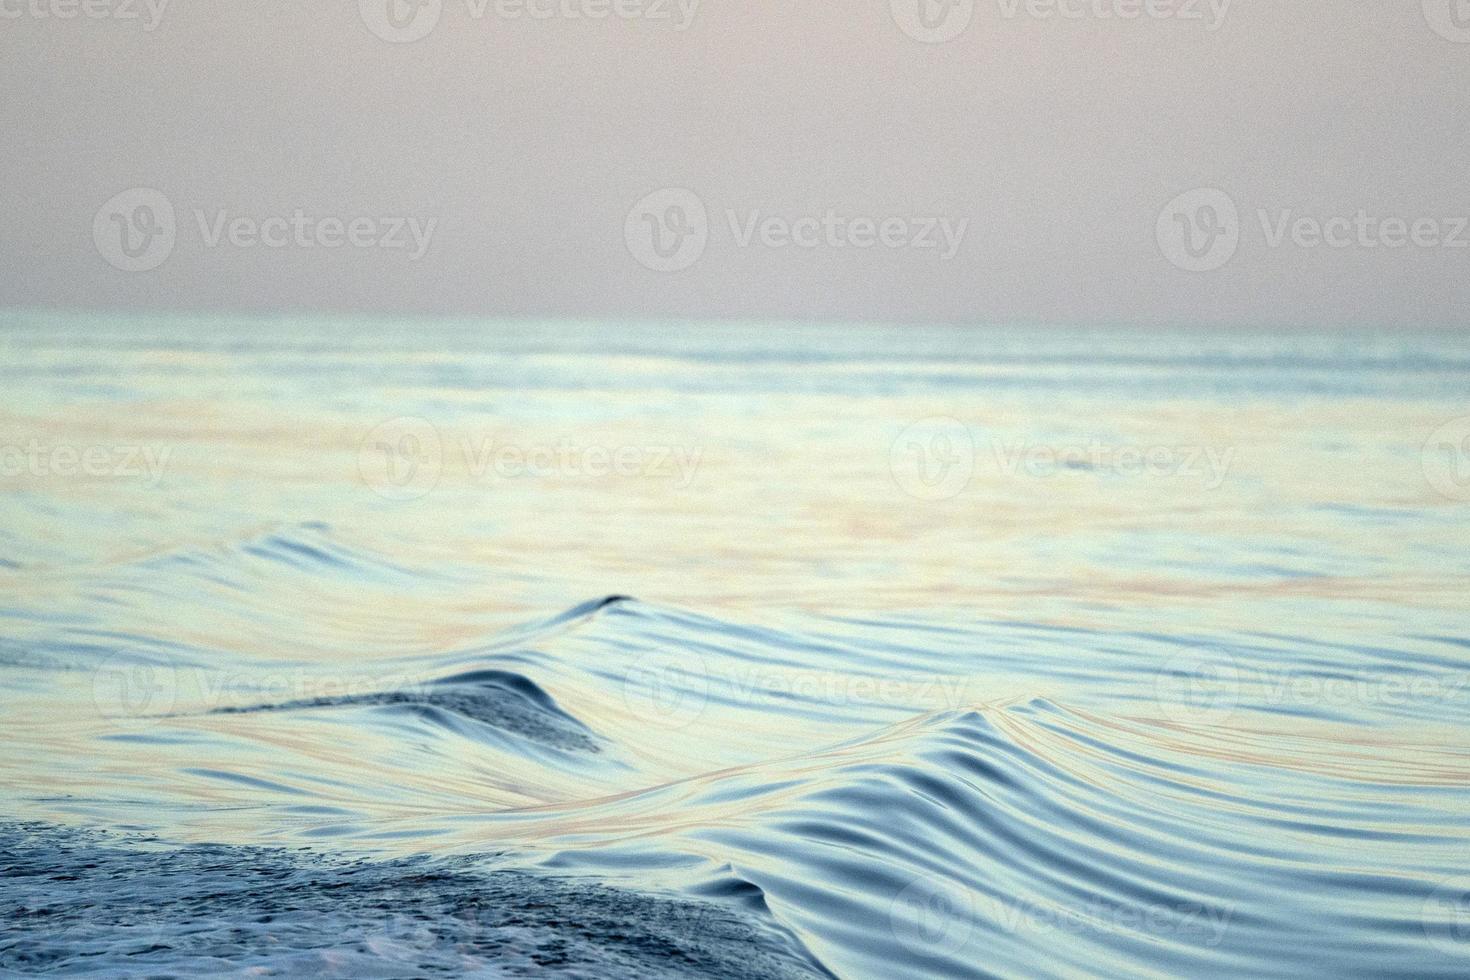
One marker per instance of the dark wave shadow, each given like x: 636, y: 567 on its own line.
x: 78, y: 903
x: 497, y: 699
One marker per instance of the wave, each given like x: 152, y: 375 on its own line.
x: 861, y: 797
x: 973, y: 843
x: 498, y: 699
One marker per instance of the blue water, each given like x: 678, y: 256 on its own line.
x: 460, y: 648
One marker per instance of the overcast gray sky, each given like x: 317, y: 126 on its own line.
x: 950, y: 160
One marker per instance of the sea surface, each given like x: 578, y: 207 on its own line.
x: 360, y: 648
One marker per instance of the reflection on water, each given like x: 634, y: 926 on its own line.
x: 934, y: 652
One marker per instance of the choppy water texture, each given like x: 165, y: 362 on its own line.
x: 377, y: 649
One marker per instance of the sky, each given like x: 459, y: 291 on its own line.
x: 1178, y: 163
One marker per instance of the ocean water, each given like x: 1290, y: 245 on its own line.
x: 375, y: 648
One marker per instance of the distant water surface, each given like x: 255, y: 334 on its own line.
x: 399, y: 648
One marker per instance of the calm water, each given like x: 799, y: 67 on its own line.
x: 935, y: 653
